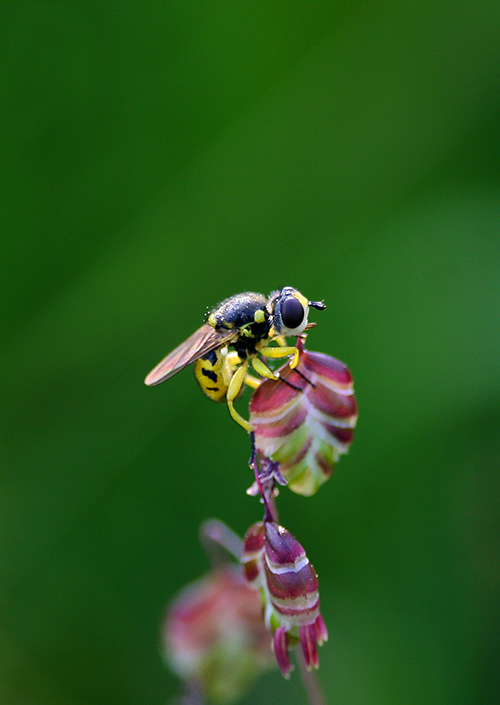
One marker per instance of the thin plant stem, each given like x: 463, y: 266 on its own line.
x: 215, y: 535
x: 193, y: 695
x: 269, y: 513
x: 311, y: 682
x: 266, y: 492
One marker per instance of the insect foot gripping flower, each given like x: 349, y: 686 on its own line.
x: 275, y: 562
x: 214, y: 637
x: 307, y: 424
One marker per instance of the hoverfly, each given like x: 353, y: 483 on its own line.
x: 247, y: 323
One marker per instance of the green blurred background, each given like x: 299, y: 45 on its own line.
x: 158, y: 158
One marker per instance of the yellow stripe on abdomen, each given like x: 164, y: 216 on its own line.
x: 209, y: 373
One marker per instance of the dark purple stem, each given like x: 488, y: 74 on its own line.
x: 270, y: 513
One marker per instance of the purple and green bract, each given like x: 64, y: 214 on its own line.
x: 306, y: 429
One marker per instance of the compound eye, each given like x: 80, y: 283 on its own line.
x: 292, y: 313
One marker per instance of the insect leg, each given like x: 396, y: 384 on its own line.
x: 282, y: 352
x: 289, y: 384
x: 233, y: 391
x: 253, y: 450
x: 252, y: 381
x: 262, y: 369
x: 306, y: 379
x: 232, y: 360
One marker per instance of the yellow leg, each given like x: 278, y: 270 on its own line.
x: 233, y: 391
x: 252, y: 381
x: 263, y: 370
x: 282, y: 352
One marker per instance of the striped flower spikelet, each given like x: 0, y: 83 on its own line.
x: 308, y: 426
x: 277, y: 565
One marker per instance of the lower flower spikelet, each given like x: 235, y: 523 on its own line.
x: 276, y: 564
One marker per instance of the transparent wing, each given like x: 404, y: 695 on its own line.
x: 201, y: 342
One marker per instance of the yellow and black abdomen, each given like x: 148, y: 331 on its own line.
x: 212, y: 375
